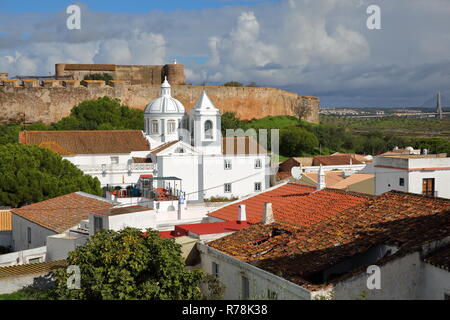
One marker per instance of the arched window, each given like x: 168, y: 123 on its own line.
x: 171, y: 126
x: 208, y: 129
x: 155, y: 126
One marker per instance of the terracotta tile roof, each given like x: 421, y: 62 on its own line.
x: 122, y: 210
x: 356, y: 156
x: 87, y: 142
x: 354, y: 178
x: 162, y: 147
x: 5, y: 220
x: 293, y: 203
x: 241, y: 145
x: 440, y: 258
x: 62, y: 213
x: 331, y: 177
x: 212, y: 227
x: 31, y: 268
x: 141, y: 160
x: 335, y: 160
x: 301, y: 254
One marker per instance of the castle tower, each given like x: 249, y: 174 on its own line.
x: 174, y: 73
x: 163, y: 117
x: 206, y: 126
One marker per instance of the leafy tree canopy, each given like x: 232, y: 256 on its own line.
x: 233, y: 84
x: 103, y: 113
x: 130, y: 265
x: 99, y: 76
x: 297, y: 141
x: 31, y: 174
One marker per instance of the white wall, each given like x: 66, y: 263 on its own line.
x: 58, y: 246
x: 15, y: 283
x: 140, y: 220
x: 387, y: 179
x: 20, y: 234
x: 232, y: 269
x: 400, y: 280
x: 208, y: 173
x: 436, y: 283
x: 24, y: 256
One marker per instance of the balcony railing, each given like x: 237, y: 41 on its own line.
x: 104, y: 168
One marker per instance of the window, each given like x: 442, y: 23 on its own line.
x: 29, y: 235
x: 428, y: 187
x: 227, y: 187
x: 98, y: 224
x: 257, y: 186
x: 215, y: 269
x: 155, y: 126
x: 245, y: 288
x: 446, y: 296
x: 208, y: 129
x: 272, y: 295
x: 114, y: 160
x: 34, y: 260
x: 227, y: 164
x: 258, y: 164
x: 401, y: 182
x: 171, y: 126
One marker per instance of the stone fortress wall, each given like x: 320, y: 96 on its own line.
x: 28, y: 101
x: 136, y: 74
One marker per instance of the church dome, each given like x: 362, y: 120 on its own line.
x: 165, y: 103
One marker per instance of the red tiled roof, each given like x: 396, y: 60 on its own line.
x: 213, y: 227
x: 404, y: 220
x: 334, y: 160
x: 440, y: 258
x: 87, y: 142
x: 293, y: 203
x: 61, y: 213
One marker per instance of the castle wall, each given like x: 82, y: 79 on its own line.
x: 136, y: 74
x: 30, y: 101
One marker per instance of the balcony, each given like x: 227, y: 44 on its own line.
x: 118, y: 168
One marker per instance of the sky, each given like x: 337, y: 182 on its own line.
x: 312, y: 47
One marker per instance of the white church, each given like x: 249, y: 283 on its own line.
x: 180, y: 152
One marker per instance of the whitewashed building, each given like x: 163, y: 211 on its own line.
x: 427, y: 174
x: 390, y: 247
x: 175, y: 143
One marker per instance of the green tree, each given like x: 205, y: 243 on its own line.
x: 233, y: 84
x: 102, y: 113
x: 99, y: 76
x: 129, y: 264
x: 297, y: 141
x: 31, y: 174
x: 230, y: 121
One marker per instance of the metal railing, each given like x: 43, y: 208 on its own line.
x: 118, y: 167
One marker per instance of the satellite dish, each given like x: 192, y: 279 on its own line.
x: 296, y: 172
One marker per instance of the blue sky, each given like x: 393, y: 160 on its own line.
x: 312, y: 47
x: 129, y: 6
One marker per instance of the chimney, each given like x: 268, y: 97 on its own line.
x: 268, y: 214
x: 242, y: 214
x: 321, y: 179
x: 351, y: 161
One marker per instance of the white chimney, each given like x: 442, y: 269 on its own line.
x: 268, y: 214
x: 242, y: 214
x: 321, y: 179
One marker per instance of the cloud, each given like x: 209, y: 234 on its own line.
x: 41, y: 57
x: 313, y: 47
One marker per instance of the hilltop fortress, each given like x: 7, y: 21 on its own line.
x: 32, y: 100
